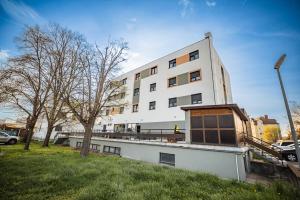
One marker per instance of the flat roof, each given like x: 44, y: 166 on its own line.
x: 234, y: 107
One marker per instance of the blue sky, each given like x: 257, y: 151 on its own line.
x: 248, y: 35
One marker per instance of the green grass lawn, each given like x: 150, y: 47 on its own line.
x: 60, y: 173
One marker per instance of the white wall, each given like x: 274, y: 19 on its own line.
x: 226, y: 162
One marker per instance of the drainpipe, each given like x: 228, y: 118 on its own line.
x: 237, y: 167
x: 209, y: 36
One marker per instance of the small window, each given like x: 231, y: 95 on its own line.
x: 107, y: 112
x: 136, y: 92
x: 135, y: 108
x: 78, y: 144
x: 194, y: 55
x: 210, y: 122
x: 196, y: 98
x: 112, y: 150
x: 153, y: 70
x: 152, y: 105
x: 172, y: 63
x: 137, y: 76
x: 195, y: 76
x: 121, y: 110
x: 95, y: 147
x: 152, y: 87
x: 172, y: 82
x: 167, y: 158
x: 124, y: 81
x: 172, y: 102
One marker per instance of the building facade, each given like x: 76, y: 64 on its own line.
x: 154, y: 93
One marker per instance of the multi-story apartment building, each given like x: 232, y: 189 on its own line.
x: 155, y: 92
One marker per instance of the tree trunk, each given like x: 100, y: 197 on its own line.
x: 48, y: 135
x: 29, y: 135
x: 86, y: 140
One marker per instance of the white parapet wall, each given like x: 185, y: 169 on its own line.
x: 225, y: 162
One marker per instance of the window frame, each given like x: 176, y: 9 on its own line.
x: 194, y: 55
x: 136, y: 93
x: 137, y: 76
x: 175, y: 81
x: 192, y: 102
x: 153, y: 70
x: 172, y: 105
x: 167, y: 162
x: 172, y: 62
x: 124, y: 81
x: 153, y: 107
x: 153, y: 90
x: 197, y: 78
x: 121, y: 110
x: 135, y: 108
x: 116, y: 150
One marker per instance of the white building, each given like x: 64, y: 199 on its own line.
x: 155, y: 92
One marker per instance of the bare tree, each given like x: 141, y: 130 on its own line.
x: 63, y: 51
x: 93, y: 88
x: 27, y: 77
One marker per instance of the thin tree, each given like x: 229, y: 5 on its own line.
x: 92, y: 90
x: 63, y: 51
x: 28, y: 80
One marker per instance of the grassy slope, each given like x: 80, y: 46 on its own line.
x: 60, y: 173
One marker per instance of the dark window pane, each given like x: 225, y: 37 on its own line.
x: 211, y: 136
x: 172, y: 82
x: 226, y: 121
x: 210, y: 122
x: 172, y: 63
x: 194, y: 76
x: 194, y: 55
x: 197, y: 136
x: 172, y: 102
x: 227, y: 136
x: 196, y: 98
x: 167, y: 158
x: 196, y: 122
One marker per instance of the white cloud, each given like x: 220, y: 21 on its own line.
x: 21, y: 12
x: 131, y: 23
x: 211, y: 3
x: 187, y: 7
x: 4, y: 55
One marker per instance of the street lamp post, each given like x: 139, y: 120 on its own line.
x: 294, y: 135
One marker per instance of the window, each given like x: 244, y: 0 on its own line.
x: 112, y: 150
x: 153, y: 70
x: 152, y: 105
x: 135, y: 108
x: 124, y: 81
x: 172, y: 63
x: 226, y: 121
x: 121, y: 110
x: 137, y: 76
x: 195, y: 76
x: 152, y: 87
x: 95, y: 147
x: 197, y: 136
x: 172, y: 82
x: 167, y: 158
x: 194, y: 55
x: 196, y: 122
x: 78, y: 144
x: 211, y: 136
x: 196, y: 98
x: 136, y: 92
x: 210, y: 121
x: 227, y: 136
x: 107, y: 112
x: 172, y: 102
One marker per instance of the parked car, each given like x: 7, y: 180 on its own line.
x: 289, y: 154
x: 282, y: 143
x: 8, y: 139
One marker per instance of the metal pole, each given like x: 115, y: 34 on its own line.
x: 294, y: 135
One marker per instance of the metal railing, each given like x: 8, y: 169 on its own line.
x: 169, y: 135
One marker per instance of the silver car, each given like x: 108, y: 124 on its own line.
x: 8, y: 139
